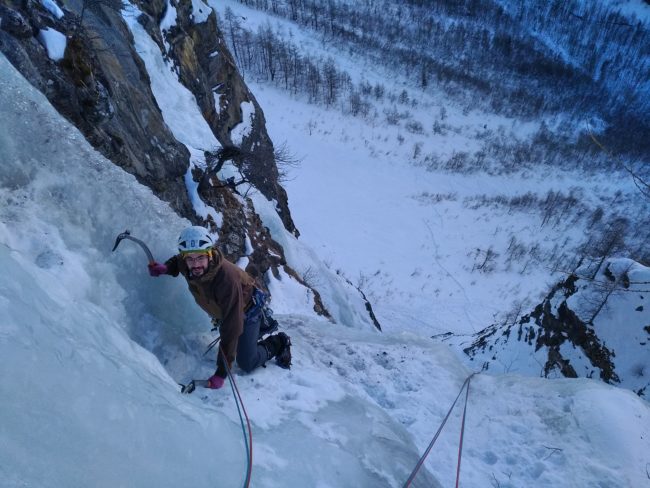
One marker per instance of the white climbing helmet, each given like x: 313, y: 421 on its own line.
x: 194, y: 239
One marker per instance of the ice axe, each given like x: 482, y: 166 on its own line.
x: 127, y: 235
x: 191, y: 386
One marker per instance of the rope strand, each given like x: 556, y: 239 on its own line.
x: 248, y: 440
x: 435, y: 437
x: 241, y: 421
x: 462, y: 433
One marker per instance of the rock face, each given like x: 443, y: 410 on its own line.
x: 101, y: 85
x: 207, y: 69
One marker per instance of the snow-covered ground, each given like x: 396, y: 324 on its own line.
x: 84, y: 404
x: 605, y: 333
x: 413, y: 239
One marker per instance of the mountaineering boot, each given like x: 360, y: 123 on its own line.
x: 269, y: 324
x: 283, y: 357
x: 278, y: 346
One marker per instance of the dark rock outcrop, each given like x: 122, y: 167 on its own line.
x: 102, y: 87
x: 548, y: 327
x: 587, y: 326
x: 207, y: 69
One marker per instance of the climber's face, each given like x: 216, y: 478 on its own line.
x: 197, y: 263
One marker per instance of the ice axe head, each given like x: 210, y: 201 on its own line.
x: 127, y: 235
x: 124, y: 234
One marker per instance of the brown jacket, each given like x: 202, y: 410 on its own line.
x: 224, y: 292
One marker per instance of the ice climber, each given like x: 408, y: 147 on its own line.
x: 229, y: 296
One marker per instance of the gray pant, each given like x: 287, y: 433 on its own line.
x: 250, y: 354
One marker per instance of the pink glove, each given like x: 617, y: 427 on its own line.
x: 215, y: 382
x: 157, y: 269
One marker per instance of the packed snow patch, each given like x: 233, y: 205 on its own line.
x: 200, y: 11
x: 53, y: 8
x: 54, y: 43
x: 243, y: 129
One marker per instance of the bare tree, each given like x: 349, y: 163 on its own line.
x: 314, y: 82
x: 595, y: 302
x: 610, y: 241
x: 246, y: 163
x: 285, y: 160
x: 485, y: 261
x: 215, y: 161
x: 639, y: 181
x: 268, y: 50
x: 234, y: 29
x: 332, y: 82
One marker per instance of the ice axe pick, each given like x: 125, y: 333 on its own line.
x: 127, y: 235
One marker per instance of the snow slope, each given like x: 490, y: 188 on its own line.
x: 82, y: 404
x: 85, y: 404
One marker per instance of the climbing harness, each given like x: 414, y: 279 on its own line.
x: 259, y: 304
x: 435, y: 437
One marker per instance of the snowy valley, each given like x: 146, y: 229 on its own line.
x: 467, y: 233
